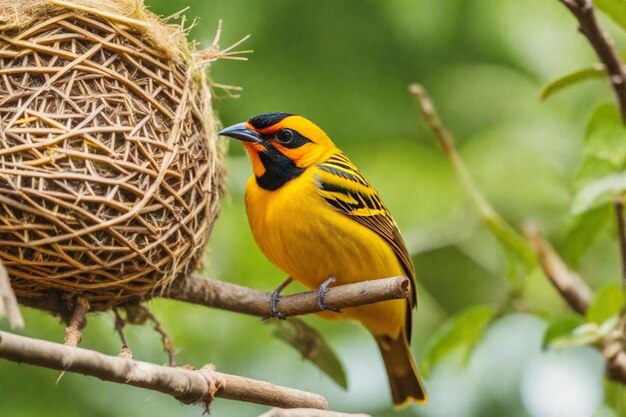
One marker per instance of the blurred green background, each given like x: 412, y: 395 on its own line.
x: 346, y: 65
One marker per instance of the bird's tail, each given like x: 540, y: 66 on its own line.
x: 404, y: 378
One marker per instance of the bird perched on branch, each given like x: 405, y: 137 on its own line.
x: 319, y: 220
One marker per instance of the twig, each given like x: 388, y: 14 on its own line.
x: 77, y: 322
x: 602, y: 44
x: 621, y: 232
x: 120, y: 323
x: 499, y: 227
x: 443, y: 136
x: 571, y: 287
x: 232, y: 297
x: 188, y: 386
x: 168, y: 345
x: 578, y: 295
x: 588, y: 25
x: 8, y: 303
x: 306, y: 412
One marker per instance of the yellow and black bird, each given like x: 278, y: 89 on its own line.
x: 319, y: 220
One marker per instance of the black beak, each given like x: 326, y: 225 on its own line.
x: 241, y: 132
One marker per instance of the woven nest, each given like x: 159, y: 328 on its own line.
x: 110, y: 171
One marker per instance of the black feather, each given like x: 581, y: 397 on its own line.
x: 279, y: 169
x: 265, y: 120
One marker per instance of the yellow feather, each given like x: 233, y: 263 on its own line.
x: 315, y: 217
x: 304, y: 236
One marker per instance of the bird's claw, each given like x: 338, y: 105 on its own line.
x: 274, y: 313
x: 321, y: 295
x: 274, y: 299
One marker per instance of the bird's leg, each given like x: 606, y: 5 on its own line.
x: 321, y: 294
x: 275, y: 297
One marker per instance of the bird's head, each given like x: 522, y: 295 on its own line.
x: 280, y: 146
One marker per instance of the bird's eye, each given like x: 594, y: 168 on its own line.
x: 284, y: 136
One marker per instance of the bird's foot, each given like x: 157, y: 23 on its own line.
x: 321, y: 295
x: 275, y: 298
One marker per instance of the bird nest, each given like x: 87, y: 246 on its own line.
x: 110, y: 170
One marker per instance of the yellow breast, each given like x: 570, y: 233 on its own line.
x: 310, y: 241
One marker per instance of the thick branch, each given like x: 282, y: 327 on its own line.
x: 186, y: 385
x: 236, y: 298
x: 588, y: 25
x: 232, y: 297
x: 307, y: 412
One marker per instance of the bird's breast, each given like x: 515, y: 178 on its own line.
x: 309, y: 240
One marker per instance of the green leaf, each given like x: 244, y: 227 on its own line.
x: 615, y: 9
x: 583, y: 230
x: 598, y: 193
x: 586, y: 334
x: 562, y: 326
x: 512, y: 241
x: 604, y: 149
x: 569, y: 79
x: 607, y: 302
x: 600, y: 175
x: 459, y: 334
x: 313, y: 347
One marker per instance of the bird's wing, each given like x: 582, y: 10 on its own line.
x: 344, y: 188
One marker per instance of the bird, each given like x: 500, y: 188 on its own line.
x: 315, y: 216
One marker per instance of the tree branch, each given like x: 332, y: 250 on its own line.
x: 185, y: 384
x: 239, y: 299
x: 602, y: 44
x: 618, y: 203
x: 8, y: 303
x: 578, y: 295
x: 307, y: 412
x: 498, y: 226
x: 584, y: 12
x: 571, y: 287
x: 232, y: 297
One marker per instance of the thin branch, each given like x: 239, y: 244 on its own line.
x: 499, y: 227
x: 232, y: 297
x: 120, y: 323
x: 168, y: 345
x: 571, y: 287
x: 621, y: 232
x: 8, y: 302
x: 584, y: 12
x: 187, y: 385
x: 602, y: 44
x: 78, y: 321
x: 578, y: 295
x: 307, y: 412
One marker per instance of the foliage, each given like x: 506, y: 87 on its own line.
x: 346, y: 65
x: 601, y: 319
x: 459, y: 334
x: 310, y: 343
x: 593, y: 72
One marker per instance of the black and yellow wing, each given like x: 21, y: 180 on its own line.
x: 344, y: 188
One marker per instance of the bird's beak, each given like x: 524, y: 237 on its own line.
x: 241, y: 132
